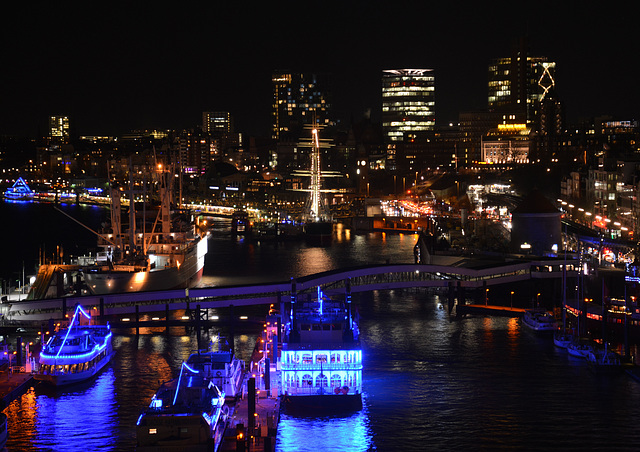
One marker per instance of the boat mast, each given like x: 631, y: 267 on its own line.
x: 315, y: 185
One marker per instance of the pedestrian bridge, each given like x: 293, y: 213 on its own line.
x: 458, y: 276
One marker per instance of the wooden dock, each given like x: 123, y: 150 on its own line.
x: 13, y: 385
x: 267, y: 415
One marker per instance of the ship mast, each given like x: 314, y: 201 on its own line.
x: 316, y: 177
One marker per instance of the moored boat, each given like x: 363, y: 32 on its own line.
x: 539, y: 320
x: 76, y: 353
x: 604, y: 360
x: 186, y: 414
x: 579, y: 349
x: 222, y: 368
x: 562, y: 339
x: 169, y: 254
x: 4, y: 432
x: 321, y: 359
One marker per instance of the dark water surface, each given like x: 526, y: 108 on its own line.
x: 431, y: 381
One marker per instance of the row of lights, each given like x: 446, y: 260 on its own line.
x: 185, y: 317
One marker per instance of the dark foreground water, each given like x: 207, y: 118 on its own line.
x: 432, y: 382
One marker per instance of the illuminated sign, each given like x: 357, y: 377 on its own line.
x: 511, y: 127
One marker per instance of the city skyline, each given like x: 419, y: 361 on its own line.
x: 114, y: 70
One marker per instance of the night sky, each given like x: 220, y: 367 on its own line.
x: 115, y: 68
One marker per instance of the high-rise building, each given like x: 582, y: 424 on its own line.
x: 299, y: 100
x: 59, y: 128
x: 217, y: 122
x: 518, y: 84
x: 408, y: 102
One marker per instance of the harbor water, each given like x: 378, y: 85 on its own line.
x: 431, y: 381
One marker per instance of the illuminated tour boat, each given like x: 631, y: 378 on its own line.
x: 20, y: 191
x: 76, y: 353
x: 187, y: 413
x: 321, y: 359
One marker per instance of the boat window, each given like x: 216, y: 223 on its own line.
x: 307, y: 358
x: 336, y: 381
x: 326, y: 327
x: 315, y: 327
x: 321, y: 380
x: 307, y: 381
x: 335, y: 358
x: 321, y: 359
x: 305, y: 327
x: 336, y: 327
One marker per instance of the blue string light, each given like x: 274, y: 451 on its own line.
x: 78, y: 308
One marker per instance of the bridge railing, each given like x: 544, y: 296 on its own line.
x: 378, y: 277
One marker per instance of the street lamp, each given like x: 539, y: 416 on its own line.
x: 537, y: 302
x: 486, y: 297
x: 512, y: 299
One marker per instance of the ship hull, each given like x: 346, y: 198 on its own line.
x: 69, y: 379
x: 321, y: 404
x: 318, y: 232
x: 188, y: 275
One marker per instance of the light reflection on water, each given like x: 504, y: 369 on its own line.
x: 340, y: 433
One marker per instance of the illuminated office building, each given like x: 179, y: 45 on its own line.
x: 59, y: 128
x: 298, y: 100
x: 217, y: 122
x: 408, y: 102
x: 518, y: 85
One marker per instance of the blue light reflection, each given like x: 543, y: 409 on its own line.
x: 351, y: 433
x: 89, y: 413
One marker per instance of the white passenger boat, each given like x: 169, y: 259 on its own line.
x: 539, y: 320
x: 76, y: 353
x: 220, y: 367
x: 321, y: 359
x: 186, y: 414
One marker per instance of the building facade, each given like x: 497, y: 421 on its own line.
x: 518, y: 84
x: 408, y: 102
x: 59, y: 128
x: 217, y: 122
x: 299, y: 100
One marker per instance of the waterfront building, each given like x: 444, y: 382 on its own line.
x: 408, y: 102
x: 299, y: 99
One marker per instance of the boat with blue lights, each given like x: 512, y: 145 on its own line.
x: 76, y: 353
x: 187, y: 413
x: 321, y: 358
x: 19, y: 191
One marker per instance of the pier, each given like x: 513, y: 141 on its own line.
x: 13, y: 385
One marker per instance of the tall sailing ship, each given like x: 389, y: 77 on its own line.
x: 317, y: 222
x: 170, y: 255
